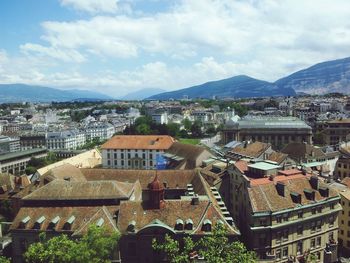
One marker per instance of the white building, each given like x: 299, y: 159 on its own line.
x: 134, y: 151
x: 101, y: 130
x: 67, y: 140
x: 160, y: 118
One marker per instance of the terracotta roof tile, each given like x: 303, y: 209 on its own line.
x: 149, y: 142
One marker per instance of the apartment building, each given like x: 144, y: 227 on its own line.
x: 67, y: 140
x: 8, y: 145
x: 284, y: 215
x: 30, y: 141
x: 342, y: 167
x: 101, y: 130
x: 344, y: 220
x: 134, y: 151
x: 16, y: 162
x: 336, y: 131
x: 278, y: 131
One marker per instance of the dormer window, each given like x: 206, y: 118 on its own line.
x: 206, y: 225
x: 100, y: 222
x: 39, y: 222
x: 24, y: 222
x: 54, y: 222
x: 189, y: 224
x: 69, y: 223
x: 179, y: 224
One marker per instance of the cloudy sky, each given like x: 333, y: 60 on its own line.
x: 120, y: 46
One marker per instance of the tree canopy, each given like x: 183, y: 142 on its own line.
x: 95, y: 247
x: 214, y: 247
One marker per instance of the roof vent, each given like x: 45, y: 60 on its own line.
x: 54, y: 222
x: 67, y: 178
x: 229, y: 220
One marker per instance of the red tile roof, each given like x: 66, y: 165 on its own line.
x: 147, y: 142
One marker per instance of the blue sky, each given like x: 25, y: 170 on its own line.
x: 117, y: 47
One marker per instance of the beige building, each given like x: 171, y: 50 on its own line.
x: 336, y: 131
x: 277, y: 131
x: 284, y: 215
x: 134, y: 151
x: 344, y: 221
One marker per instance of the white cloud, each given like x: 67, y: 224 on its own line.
x: 66, y: 55
x: 190, y: 43
x: 92, y: 6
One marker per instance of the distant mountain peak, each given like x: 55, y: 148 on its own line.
x: 28, y: 93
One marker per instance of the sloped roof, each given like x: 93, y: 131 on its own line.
x: 189, y: 152
x: 264, y: 197
x: 84, y: 216
x: 149, y: 142
x: 277, y: 157
x: 172, y: 211
x: 301, y: 150
x: 172, y: 178
x: 65, y: 171
x: 254, y: 149
x: 66, y: 190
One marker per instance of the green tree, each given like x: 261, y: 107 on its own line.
x: 172, y: 249
x: 30, y: 170
x: 187, y: 124
x: 174, y: 129
x: 196, y: 129
x: 94, y: 247
x: 143, y: 129
x: 6, y: 209
x: 215, y: 247
x: 4, y: 260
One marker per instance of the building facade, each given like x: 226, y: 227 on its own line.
x: 103, y: 131
x: 284, y: 215
x: 134, y: 151
x: 336, y: 131
x: 65, y: 140
x: 278, y: 131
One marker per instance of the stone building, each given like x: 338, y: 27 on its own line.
x: 278, y: 131
x: 284, y: 215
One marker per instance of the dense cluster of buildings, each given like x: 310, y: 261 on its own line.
x: 278, y: 180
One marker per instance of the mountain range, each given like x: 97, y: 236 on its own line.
x: 142, y: 94
x: 28, y: 93
x: 325, y: 77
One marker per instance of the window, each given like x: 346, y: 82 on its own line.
x: 313, y: 211
x: 300, y: 247
x: 151, y: 156
x: 278, y: 237
x: 318, y: 241
x: 300, y: 229
x: 279, y: 219
x: 313, y: 242
x: 332, y: 205
x: 285, y: 217
x: 319, y: 209
x: 285, y: 252
x: 129, y: 155
x: 278, y: 254
x: 285, y: 235
x: 318, y: 225
x: 300, y: 214
x: 122, y: 155
x: 313, y: 227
